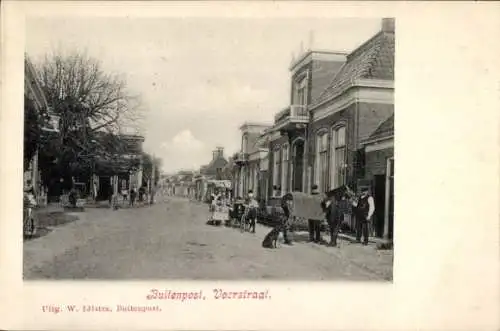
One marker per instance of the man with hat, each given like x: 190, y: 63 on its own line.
x: 314, y: 225
x: 335, y: 206
x: 364, y: 209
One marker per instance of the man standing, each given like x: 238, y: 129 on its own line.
x: 335, y: 206
x: 364, y: 209
x: 285, y: 205
x: 314, y: 225
x: 252, y: 206
x: 133, y: 194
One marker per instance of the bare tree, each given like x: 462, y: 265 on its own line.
x: 94, y: 107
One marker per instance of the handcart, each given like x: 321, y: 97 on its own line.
x: 303, y: 207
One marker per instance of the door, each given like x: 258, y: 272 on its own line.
x: 391, y: 200
x: 379, y: 198
x: 298, y: 166
x: 104, y: 188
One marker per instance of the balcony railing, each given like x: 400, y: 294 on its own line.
x: 294, y: 113
x: 241, y: 157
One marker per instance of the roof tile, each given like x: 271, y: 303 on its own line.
x: 374, y: 59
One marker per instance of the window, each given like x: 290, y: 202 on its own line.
x: 301, y: 90
x: 276, y: 168
x: 284, y: 165
x: 339, y: 157
x: 322, y: 161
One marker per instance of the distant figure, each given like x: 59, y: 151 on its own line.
x: 142, y: 191
x: 252, y: 204
x: 125, y: 194
x: 73, y: 196
x: 133, y: 195
x: 29, y: 193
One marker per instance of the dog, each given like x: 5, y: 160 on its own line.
x: 271, y: 239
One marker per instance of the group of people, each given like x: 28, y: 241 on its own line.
x: 222, y: 209
x: 134, y: 193
x: 335, y: 205
x: 338, y: 203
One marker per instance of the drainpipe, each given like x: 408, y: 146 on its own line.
x: 306, y: 173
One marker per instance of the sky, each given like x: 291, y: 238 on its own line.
x: 199, y: 79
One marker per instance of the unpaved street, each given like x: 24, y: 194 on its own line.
x: 170, y: 240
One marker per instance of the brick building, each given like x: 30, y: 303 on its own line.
x: 338, y: 128
x: 359, y: 98
x: 310, y: 75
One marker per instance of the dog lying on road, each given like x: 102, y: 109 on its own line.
x: 271, y: 239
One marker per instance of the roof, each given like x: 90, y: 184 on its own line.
x: 374, y: 59
x: 384, y: 130
x: 218, y: 163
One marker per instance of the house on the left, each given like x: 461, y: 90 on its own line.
x: 39, y: 122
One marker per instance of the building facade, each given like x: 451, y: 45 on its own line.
x: 247, y: 170
x: 338, y: 128
x: 359, y: 98
x: 288, y: 152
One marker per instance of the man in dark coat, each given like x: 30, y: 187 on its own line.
x: 285, y: 205
x: 314, y: 225
x: 336, y: 205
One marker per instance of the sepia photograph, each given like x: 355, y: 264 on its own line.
x: 209, y: 148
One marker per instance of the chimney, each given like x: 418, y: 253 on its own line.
x: 388, y: 25
x: 214, y: 155
x: 220, y: 152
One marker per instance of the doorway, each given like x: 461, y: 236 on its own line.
x: 390, y: 211
x: 379, y: 199
x: 104, y: 189
x: 298, y: 165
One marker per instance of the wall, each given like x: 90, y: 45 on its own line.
x: 371, y: 115
x: 376, y: 162
x: 274, y: 144
x: 322, y: 76
x: 348, y: 116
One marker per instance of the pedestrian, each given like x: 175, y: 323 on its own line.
x: 335, y: 206
x: 364, y: 207
x: 285, y: 205
x: 133, y: 195
x: 314, y: 225
x: 142, y: 191
x: 252, y: 204
x: 125, y: 195
x: 29, y: 194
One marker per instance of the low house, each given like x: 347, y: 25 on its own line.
x: 121, y: 171
x: 379, y: 171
